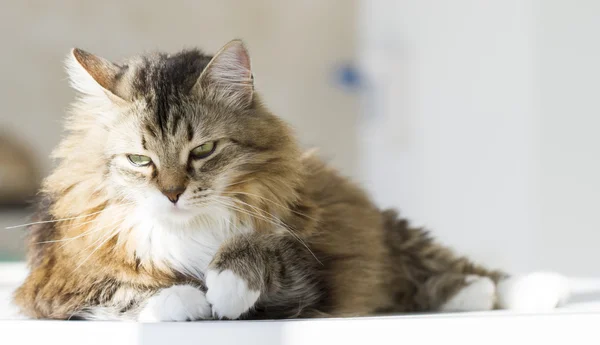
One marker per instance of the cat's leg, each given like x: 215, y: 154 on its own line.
x: 457, y: 292
x: 253, y: 275
x: 533, y: 292
x: 536, y: 292
x: 175, y: 303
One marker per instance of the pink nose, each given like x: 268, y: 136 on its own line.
x: 173, y: 194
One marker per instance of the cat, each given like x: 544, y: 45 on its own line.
x: 178, y: 196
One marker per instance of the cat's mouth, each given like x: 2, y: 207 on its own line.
x: 160, y: 208
x: 179, y: 208
x: 176, y: 208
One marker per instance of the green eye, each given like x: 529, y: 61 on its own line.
x: 204, y: 150
x: 139, y: 160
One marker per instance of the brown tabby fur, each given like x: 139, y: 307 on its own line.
x: 319, y: 246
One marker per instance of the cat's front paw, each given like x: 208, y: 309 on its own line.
x: 176, y: 303
x: 229, y: 294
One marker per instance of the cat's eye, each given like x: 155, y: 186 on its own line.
x: 139, y: 160
x: 203, y: 150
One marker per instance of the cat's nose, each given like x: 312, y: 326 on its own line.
x: 173, y: 194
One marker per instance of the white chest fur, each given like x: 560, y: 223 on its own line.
x: 187, y: 248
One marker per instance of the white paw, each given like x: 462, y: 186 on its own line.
x: 477, y: 296
x: 535, y: 292
x: 176, y: 303
x: 229, y: 294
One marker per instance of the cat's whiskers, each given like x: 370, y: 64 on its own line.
x: 273, y: 220
x: 85, y: 233
x: 69, y: 218
x: 273, y: 202
x: 279, y: 223
x: 284, y: 226
x: 91, y: 231
x: 113, y: 225
x: 238, y: 182
x: 260, y: 212
x: 102, y: 238
x: 237, y: 229
x: 114, y: 232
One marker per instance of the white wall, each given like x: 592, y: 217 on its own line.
x: 485, y: 132
x: 568, y: 80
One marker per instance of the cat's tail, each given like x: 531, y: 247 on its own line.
x: 543, y: 291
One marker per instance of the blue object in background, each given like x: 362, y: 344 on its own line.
x: 348, y: 77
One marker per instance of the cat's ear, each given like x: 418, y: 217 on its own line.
x: 93, y: 75
x: 228, y: 76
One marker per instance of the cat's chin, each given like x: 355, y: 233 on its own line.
x: 164, y: 213
x: 174, y: 214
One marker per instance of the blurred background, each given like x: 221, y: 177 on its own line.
x: 478, y: 119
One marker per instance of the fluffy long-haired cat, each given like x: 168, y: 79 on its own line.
x: 179, y: 196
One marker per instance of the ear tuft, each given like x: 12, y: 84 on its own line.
x: 228, y: 76
x: 92, y: 75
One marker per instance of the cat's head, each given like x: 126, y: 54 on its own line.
x: 175, y: 135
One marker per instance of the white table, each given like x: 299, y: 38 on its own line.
x: 576, y: 323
